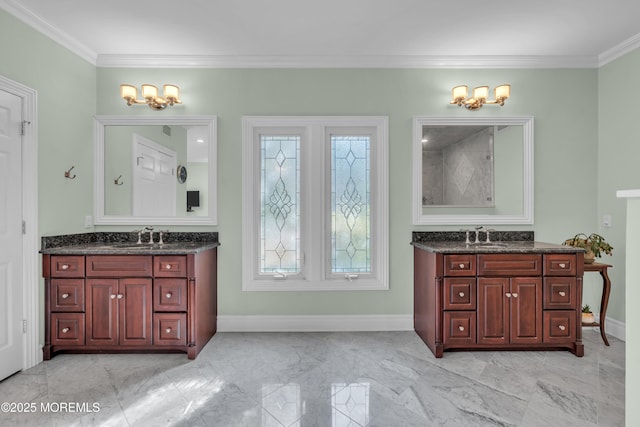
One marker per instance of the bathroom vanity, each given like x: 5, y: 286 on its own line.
x: 515, y: 293
x: 103, y: 294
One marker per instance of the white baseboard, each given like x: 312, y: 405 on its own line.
x: 342, y: 323
x: 315, y: 323
x: 614, y: 327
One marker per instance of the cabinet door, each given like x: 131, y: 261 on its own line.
x: 101, y: 314
x: 134, y: 309
x: 526, y: 310
x: 493, y: 310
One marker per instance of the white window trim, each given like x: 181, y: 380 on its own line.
x: 316, y: 128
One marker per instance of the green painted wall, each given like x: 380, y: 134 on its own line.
x: 565, y: 134
x: 66, y: 105
x: 618, y: 154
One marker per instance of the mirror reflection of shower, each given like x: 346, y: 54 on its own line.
x: 457, y: 166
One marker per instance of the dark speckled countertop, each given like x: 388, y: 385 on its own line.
x: 124, y: 243
x: 501, y: 242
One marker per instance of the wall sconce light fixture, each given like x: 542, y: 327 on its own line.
x: 479, y: 98
x: 150, y: 96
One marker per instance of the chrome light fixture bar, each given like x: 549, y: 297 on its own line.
x: 150, y: 96
x: 479, y: 98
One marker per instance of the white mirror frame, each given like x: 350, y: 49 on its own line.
x: 99, y: 213
x: 419, y: 218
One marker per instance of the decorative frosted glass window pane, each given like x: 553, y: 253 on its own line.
x: 280, y: 204
x: 350, y: 204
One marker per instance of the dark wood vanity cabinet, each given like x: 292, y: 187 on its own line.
x: 115, y: 303
x: 497, y: 300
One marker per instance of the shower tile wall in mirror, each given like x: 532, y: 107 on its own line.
x: 472, y: 170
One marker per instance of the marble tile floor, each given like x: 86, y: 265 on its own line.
x: 384, y: 379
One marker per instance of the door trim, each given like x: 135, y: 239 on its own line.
x: 32, y: 348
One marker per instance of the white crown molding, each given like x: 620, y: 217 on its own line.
x: 356, y: 61
x: 622, y: 49
x: 55, y: 34
x: 315, y: 323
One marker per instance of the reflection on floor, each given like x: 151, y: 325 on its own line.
x: 382, y: 379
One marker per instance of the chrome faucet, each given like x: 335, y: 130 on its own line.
x: 150, y: 230
x: 161, y: 232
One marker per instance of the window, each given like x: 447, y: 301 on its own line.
x: 315, y: 203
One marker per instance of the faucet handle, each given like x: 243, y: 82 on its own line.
x: 467, y: 231
x: 139, y: 235
x: 161, y: 232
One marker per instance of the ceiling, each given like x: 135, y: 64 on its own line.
x: 356, y: 33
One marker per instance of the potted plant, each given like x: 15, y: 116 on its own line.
x: 587, y: 315
x: 594, y: 244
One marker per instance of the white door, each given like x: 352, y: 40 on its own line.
x: 10, y: 235
x: 154, y: 182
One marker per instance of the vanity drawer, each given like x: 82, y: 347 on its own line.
x: 509, y: 265
x: 170, y: 329
x: 459, y: 328
x: 460, y: 265
x: 170, y: 266
x: 559, y: 293
x: 560, y: 265
x: 119, y: 266
x: 170, y: 295
x: 67, y: 295
x: 559, y: 326
x: 67, y: 329
x: 67, y: 266
x: 460, y: 293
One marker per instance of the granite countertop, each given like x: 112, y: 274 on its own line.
x: 123, y: 243
x: 501, y: 242
x: 524, y: 247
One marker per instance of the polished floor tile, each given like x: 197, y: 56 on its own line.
x: 349, y: 379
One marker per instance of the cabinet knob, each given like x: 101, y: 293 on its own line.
x: 562, y: 293
x: 168, y: 295
x: 113, y: 296
x: 562, y: 327
x: 65, y: 266
x: 65, y: 330
x: 168, y: 330
x: 508, y: 295
x: 461, y: 328
x: 120, y: 296
x: 64, y: 296
x: 515, y: 295
x: 461, y: 265
x: 562, y: 265
x: 461, y: 294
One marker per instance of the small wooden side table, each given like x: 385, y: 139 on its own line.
x: 606, y: 289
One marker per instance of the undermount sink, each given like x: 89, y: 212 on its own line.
x: 490, y: 245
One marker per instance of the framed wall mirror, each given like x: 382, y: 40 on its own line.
x: 151, y: 170
x: 472, y: 170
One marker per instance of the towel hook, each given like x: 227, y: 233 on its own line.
x: 117, y: 181
x: 67, y: 174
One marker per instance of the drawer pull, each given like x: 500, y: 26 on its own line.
x: 168, y: 295
x: 515, y: 295
x: 562, y: 293
x: 168, y: 330
x: 64, y: 296
x: 65, y: 330
x: 168, y: 267
x: 65, y: 266
x: 562, y: 327
x: 508, y: 295
x: 461, y: 328
x: 461, y: 294
x: 120, y: 296
x: 113, y: 296
x: 461, y: 265
x: 562, y: 265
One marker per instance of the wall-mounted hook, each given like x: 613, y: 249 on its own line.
x: 117, y: 181
x: 67, y: 174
